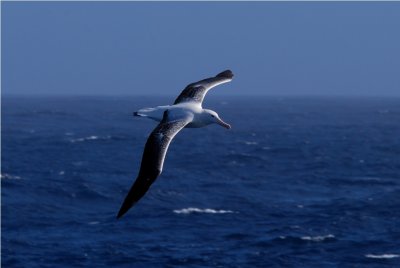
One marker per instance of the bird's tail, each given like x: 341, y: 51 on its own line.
x: 139, y: 114
x: 145, y: 112
x: 155, y: 113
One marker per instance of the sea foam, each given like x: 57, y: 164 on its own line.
x: 382, y: 256
x: 90, y: 138
x: 6, y: 176
x: 201, y: 210
x: 318, y: 238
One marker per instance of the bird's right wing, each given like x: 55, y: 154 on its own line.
x: 153, y: 159
x: 195, y: 92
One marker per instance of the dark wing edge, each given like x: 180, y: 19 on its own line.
x: 195, y: 92
x: 152, y: 160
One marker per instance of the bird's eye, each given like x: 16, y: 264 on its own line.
x: 212, y: 116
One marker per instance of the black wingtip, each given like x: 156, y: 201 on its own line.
x: 225, y: 74
x: 123, y: 210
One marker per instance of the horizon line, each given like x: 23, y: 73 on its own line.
x: 208, y: 96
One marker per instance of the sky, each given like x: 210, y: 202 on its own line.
x: 157, y: 48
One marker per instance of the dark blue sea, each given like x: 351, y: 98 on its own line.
x: 296, y: 182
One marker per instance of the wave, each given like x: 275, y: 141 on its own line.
x: 6, y: 176
x: 99, y: 138
x: 89, y: 192
x: 240, y: 157
x: 202, y: 210
x: 372, y: 181
x: 382, y: 256
x: 44, y: 113
x: 250, y: 142
x: 318, y: 238
x: 90, y: 138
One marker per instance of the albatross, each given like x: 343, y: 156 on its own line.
x: 186, y: 112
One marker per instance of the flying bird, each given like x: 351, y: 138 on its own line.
x: 186, y: 112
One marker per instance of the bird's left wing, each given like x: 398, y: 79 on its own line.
x: 196, y: 92
x: 153, y: 159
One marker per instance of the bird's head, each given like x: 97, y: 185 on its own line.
x: 213, y: 118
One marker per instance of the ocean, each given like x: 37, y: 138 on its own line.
x: 296, y: 182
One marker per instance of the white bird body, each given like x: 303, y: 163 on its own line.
x: 176, y: 111
x: 199, y: 117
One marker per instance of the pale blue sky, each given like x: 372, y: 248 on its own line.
x: 274, y: 48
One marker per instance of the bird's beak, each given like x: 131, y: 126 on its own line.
x: 222, y: 123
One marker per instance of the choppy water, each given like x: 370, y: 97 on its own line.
x: 297, y: 182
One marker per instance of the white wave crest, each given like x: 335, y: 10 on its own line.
x: 6, y: 176
x: 89, y: 138
x: 250, y: 142
x: 318, y: 238
x: 382, y: 256
x: 201, y: 210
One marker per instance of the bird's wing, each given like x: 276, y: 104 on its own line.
x: 195, y: 92
x: 153, y: 159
